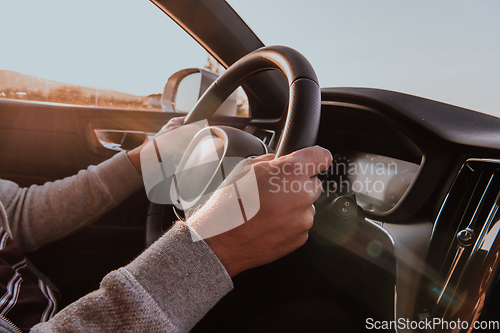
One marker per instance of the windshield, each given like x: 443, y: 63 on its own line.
x: 442, y: 50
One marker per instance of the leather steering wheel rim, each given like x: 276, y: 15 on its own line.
x: 301, y: 125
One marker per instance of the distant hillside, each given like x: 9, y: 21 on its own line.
x: 21, y: 86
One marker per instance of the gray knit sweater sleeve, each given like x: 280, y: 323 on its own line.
x: 168, y: 288
x: 41, y: 214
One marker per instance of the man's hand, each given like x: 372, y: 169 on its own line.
x: 287, y: 190
x: 135, y: 154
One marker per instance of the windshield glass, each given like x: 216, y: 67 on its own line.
x: 442, y: 50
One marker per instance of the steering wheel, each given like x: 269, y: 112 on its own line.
x: 300, y: 122
x: 300, y: 128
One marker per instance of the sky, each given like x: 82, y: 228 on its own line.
x: 443, y: 50
x: 124, y: 45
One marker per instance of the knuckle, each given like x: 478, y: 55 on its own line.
x: 302, y: 239
x: 266, y: 157
x: 308, y: 222
x: 312, y: 195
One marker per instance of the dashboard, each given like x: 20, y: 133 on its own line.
x: 378, y: 182
x: 426, y: 174
x: 373, y: 160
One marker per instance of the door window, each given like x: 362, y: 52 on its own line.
x: 102, y: 53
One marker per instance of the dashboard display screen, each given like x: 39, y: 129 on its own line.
x: 379, y: 182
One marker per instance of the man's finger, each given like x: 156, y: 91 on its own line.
x: 173, y: 123
x: 308, y: 161
x: 177, y: 120
x: 263, y: 158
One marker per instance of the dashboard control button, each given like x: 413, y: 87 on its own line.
x: 465, y: 237
x: 344, y: 206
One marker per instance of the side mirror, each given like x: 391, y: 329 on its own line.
x: 185, y: 87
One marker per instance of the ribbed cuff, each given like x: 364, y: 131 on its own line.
x: 185, y: 278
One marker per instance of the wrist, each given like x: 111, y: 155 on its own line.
x: 134, y: 156
x: 224, y: 256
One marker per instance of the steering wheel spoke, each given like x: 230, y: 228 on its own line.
x: 301, y: 120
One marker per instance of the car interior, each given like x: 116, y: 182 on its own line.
x: 422, y: 242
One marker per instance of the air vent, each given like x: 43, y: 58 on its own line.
x: 462, y: 255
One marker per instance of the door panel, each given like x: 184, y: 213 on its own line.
x: 43, y: 142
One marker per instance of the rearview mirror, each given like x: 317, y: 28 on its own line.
x: 185, y: 87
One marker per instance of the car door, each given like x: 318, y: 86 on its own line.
x: 67, y: 102
x: 44, y: 142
